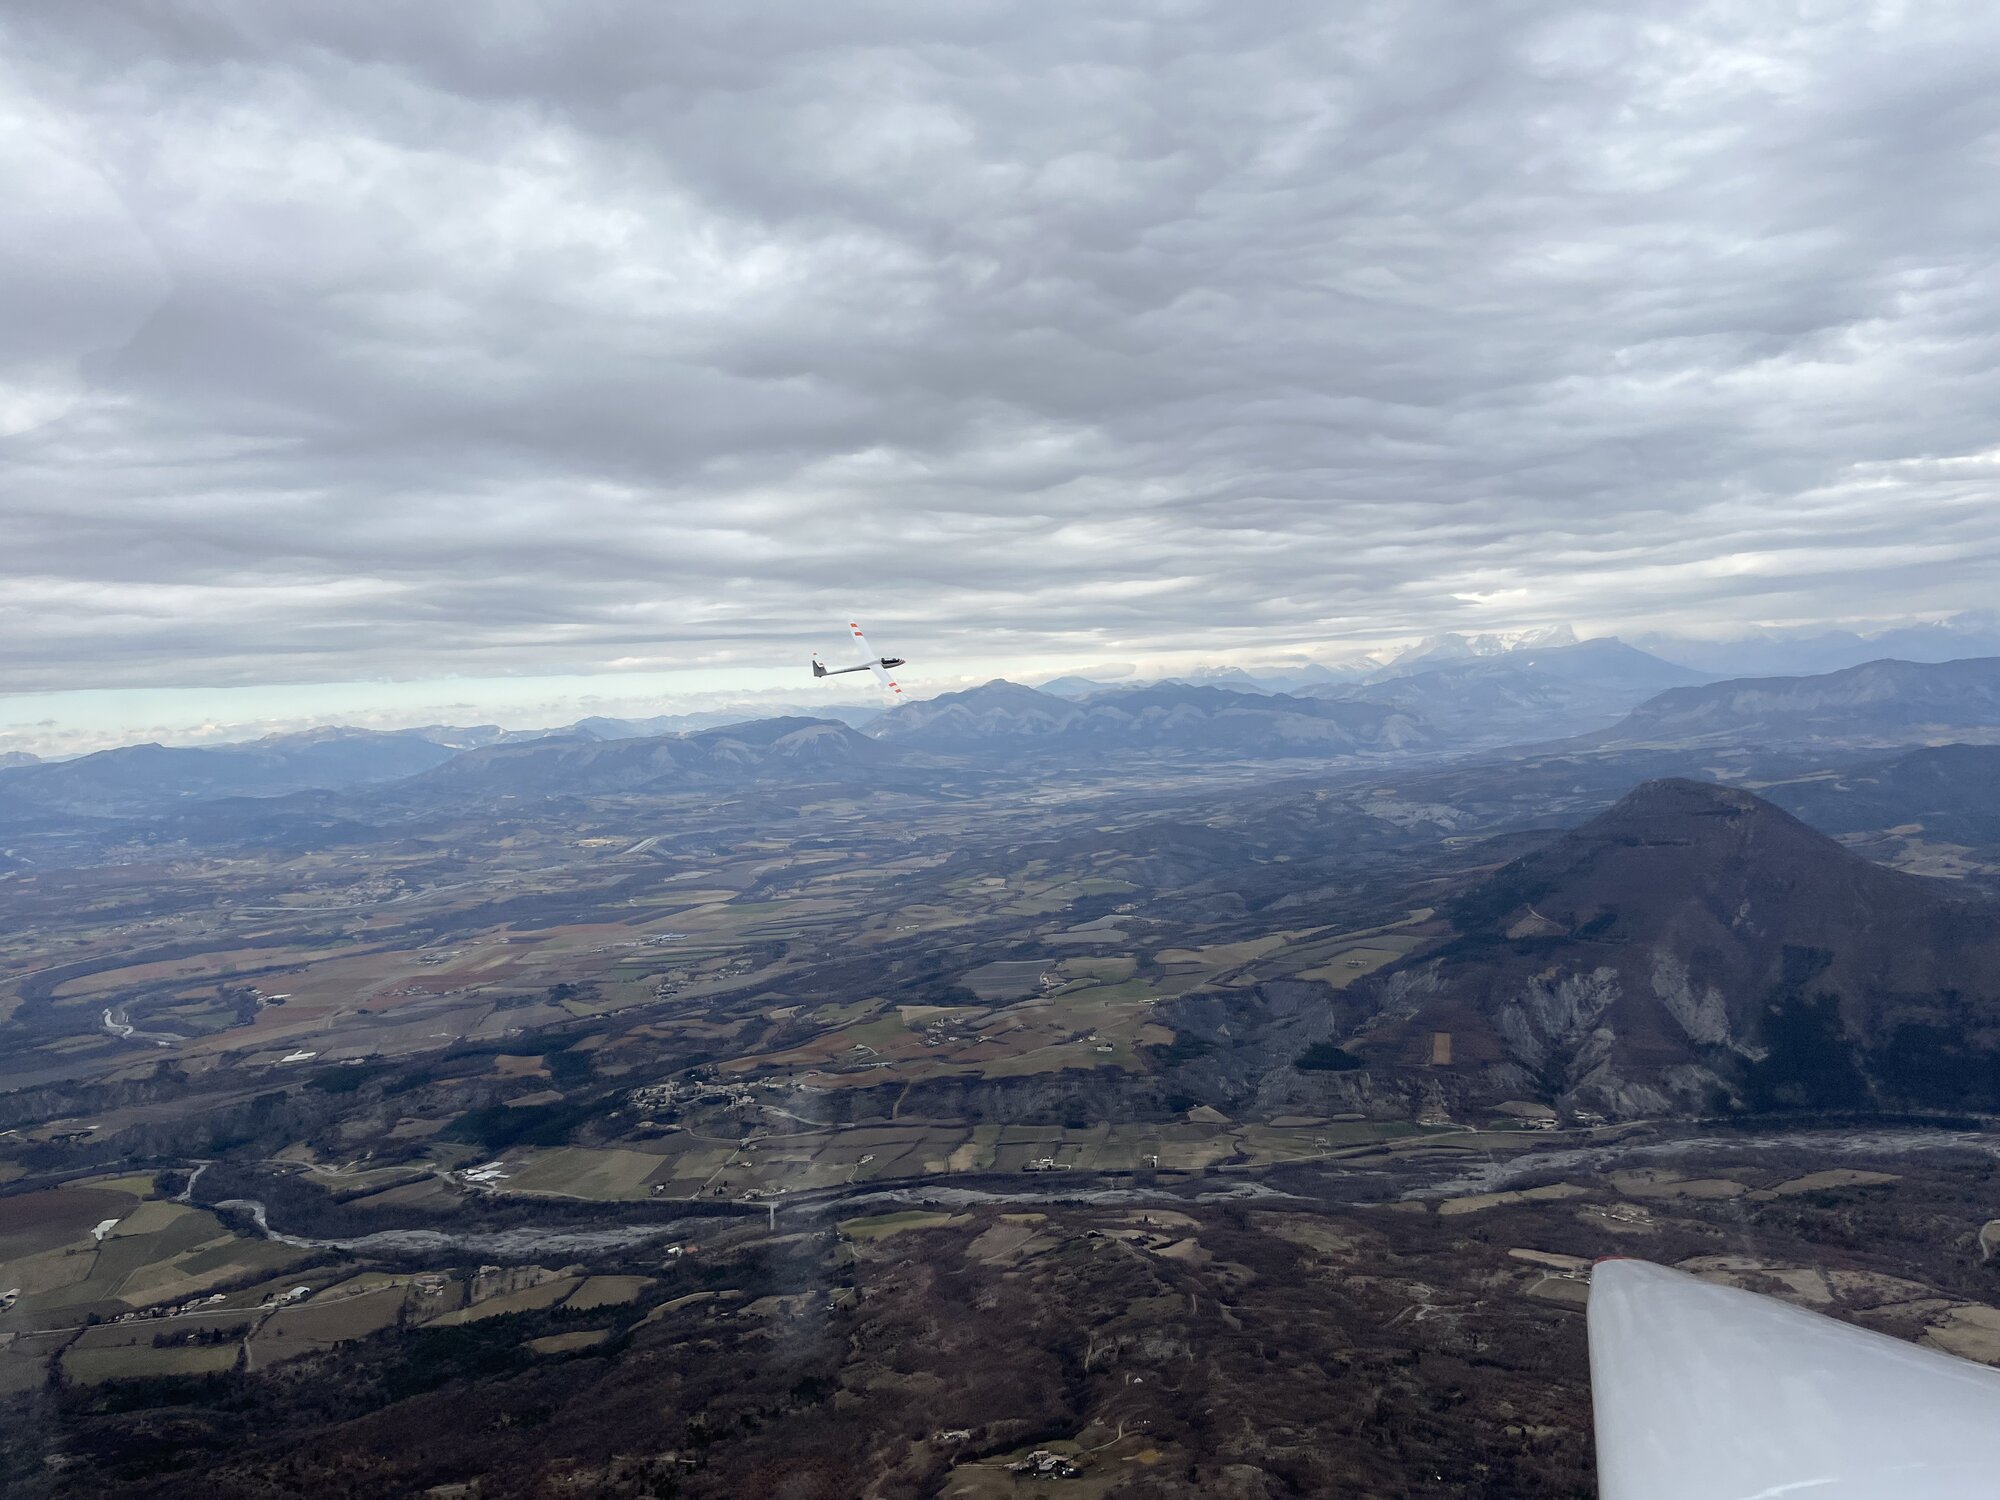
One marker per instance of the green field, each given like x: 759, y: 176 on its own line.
x: 594, y: 1173
x: 155, y: 1252
x: 881, y: 1226
x: 1011, y: 979
x: 94, y: 1366
x: 527, y: 1299
x: 607, y: 1291
x: 569, y: 1343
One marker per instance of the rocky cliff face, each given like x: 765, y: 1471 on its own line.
x: 1696, y: 949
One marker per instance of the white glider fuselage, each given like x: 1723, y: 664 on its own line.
x: 879, y: 665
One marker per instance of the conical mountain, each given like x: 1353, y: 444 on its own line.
x: 1697, y: 948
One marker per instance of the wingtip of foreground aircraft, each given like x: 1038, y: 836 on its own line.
x: 1709, y: 1392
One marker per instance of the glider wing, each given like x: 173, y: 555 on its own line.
x: 875, y: 664
x: 1706, y: 1392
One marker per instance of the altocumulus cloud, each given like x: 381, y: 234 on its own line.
x: 343, y: 339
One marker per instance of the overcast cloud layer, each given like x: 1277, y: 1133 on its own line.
x: 343, y: 340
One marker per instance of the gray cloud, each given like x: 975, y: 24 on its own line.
x: 353, y: 339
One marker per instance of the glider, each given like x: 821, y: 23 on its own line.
x: 879, y: 665
x: 1705, y: 1392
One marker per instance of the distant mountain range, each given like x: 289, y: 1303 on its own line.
x: 1810, y: 652
x: 152, y: 781
x: 1882, y: 703
x: 139, y: 779
x: 1569, y: 698
x: 1263, y: 680
x: 1443, y: 650
x: 579, y: 765
x: 1698, y: 949
x: 1164, y: 716
x: 1078, y: 687
x: 1529, y: 694
x: 1297, y: 676
x: 1465, y: 691
x: 853, y: 715
x: 600, y: 728
x: 1769, y: 653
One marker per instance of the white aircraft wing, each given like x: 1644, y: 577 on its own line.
x: 1705, y: 1392
x: 875, y: 664
x: 889, y: 683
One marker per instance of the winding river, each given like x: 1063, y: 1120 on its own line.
x: 1412, y: 1178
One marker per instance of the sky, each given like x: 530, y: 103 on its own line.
x: 361, y: 358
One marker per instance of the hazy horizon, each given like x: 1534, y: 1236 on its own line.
x: 65, y: 724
